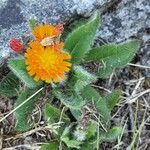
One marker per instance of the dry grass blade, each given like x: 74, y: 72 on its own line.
x: 1, y: 142
x: 140, y: 66
x: 21, y: 104
x: 51, y: 128
x: 137, y: 96
x: 35, y: 146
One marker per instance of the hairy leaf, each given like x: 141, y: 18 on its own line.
x: 79, y: 41
x: 74, y: 101
x: 89, y: 94
x: 77, y: 113
x: 87, y: 145
x: 113, y: 56
x: 50, y: 146
x: 111, y: 135
x: 18, y: 67
x: 52, y: 114
x: 123, y: 55
x: 113, y: 98
x: 72, y: 26
x: 79, y: 79
x: 9, y: 86
x: 71, y: 143
x: 23, y: 112
x: 82, y: 78
x: 102, y: 52
x: 91, y: 131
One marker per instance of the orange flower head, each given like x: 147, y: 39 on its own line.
x: 46, y: 63
x: 47, y: 31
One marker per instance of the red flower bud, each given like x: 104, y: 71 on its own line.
x: 16, y: 45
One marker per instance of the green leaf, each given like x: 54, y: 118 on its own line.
x: 79, y: 79
x: 113, y: 98
x: 111, y: 135
x: 72, y: 26
x: 82, y: 78
x: 71, y: 143
x: 79, y: 41
x: 9, y: 86
x: 90, y: 94
x: 91, y: 130
x: 74, y: 101
x: 18, y: 67
x: 76, y: 113
x: 105, y: 72
x: 102, y: 52
x: 89, y: 145
x: 102, y: 108
x: 50, y: 146
x: 33, y: 23
x: 52, y: 114
x: 23, y: 112
x: 113, y: 56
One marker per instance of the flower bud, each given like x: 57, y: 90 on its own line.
x: 16, y: 45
